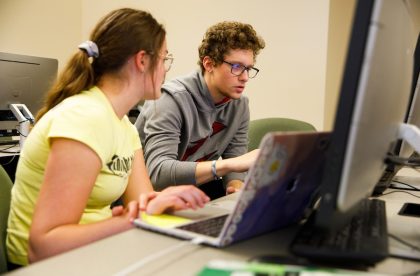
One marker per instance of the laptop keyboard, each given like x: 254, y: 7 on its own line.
x: 363, y: 240
x: 209, y: 227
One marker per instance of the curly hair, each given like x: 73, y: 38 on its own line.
x: 225, y: 36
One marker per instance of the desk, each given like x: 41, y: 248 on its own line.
x: 114, y: 254
x: 9, y: 150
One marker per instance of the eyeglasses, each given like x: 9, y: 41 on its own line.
x: 167, y: 62
x: 238, y: 69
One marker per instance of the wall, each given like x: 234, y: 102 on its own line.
x: 340, y: 23
x: 291, y: 82
x: 44, y: 28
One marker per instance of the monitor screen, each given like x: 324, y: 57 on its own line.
x: 373, y: 101
x: 25, y: 80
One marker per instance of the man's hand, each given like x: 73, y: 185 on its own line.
x: 174, y: 198
x: 233, y: 186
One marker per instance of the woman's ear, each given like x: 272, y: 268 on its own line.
x: 208, y: 64
x: 141, y: 59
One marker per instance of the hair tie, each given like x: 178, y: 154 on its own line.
x: 90, y: 47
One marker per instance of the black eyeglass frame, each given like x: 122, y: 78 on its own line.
x: 243, y: 68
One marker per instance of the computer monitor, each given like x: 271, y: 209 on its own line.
x: 23, y: 80
x: 407, y: 151
x: 402, y: 149
x: 373, y: 100
x: 413, y: 112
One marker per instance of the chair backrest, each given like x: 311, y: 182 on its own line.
x: 5, y: 196
x: 258, y: 128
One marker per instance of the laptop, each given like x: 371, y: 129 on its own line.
x: 279, y: 188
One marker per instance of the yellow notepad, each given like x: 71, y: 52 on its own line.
x: 164, y: 220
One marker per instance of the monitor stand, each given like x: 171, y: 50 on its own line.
x: 25, y: 119
x: 387, y: 177
x: 410, y: 134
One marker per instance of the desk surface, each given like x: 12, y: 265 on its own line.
x: 155, y: 254
x: 9, y: 150
x: 9, y: 156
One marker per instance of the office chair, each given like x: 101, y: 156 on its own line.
x: 5, y: 197
x: 258, y: 128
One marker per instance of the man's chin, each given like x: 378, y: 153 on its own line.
x: 236, y: 96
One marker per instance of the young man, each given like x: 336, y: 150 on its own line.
x: 204, y: 116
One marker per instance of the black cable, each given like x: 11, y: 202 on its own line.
x: 11, y: 152
x: 10, y: 161
x: 9, y: 147
x: 21, y: 122
x: 384, y: 194
x: 398, y: 159
x: 412, y: 162
x: 6, y: 150
x: 408, y: 258
x: 412, y: 246
x: 412, y: 188
x: 20, y: 133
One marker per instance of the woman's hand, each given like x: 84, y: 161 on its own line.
x: 146, y: 198
x: 173, y: 198
x: 130, y: 212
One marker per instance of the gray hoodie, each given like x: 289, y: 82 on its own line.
x: 184, y: 127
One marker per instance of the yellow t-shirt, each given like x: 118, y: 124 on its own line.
x: 89, y: 118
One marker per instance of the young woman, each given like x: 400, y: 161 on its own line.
x: 83, y: 153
